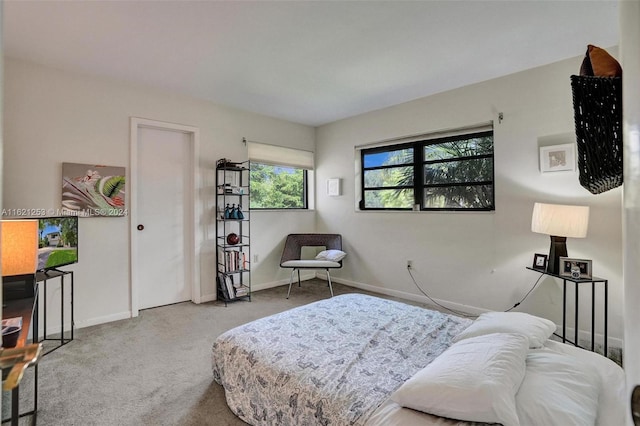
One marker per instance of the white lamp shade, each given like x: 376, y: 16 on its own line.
x: 560, y: 220
x: 19, y: 247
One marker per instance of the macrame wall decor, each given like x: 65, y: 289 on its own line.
x: 597, y: 105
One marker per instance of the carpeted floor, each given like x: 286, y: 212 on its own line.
x: 150, y: 370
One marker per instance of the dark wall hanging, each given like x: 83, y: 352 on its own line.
x: 597, y: 105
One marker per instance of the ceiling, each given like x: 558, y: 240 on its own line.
x: 310, y: 62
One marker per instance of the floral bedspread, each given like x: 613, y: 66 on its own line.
x: 331, y: 362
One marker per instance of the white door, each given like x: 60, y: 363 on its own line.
x: 162, y: 193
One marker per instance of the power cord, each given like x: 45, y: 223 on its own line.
x: 453, y: 311
x: 526, y: 295
x: 464, y: 314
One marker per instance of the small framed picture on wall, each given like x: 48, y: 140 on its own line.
x: 539, y: 261
x: 558, y: 158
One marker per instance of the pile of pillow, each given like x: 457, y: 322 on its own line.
x: 498, y: 371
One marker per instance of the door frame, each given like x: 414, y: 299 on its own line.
x: 191, y: 256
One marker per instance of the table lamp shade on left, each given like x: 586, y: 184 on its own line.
x: 19, y: 247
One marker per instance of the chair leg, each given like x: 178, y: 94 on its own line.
x: 293, y: 271
x: 329, y: 278
x: 299, y: 278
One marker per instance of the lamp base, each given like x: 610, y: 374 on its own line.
x: 557, y: 250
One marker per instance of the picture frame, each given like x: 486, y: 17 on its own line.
x: 333, y: 187
x: 540, y: 261
x: 575, y: 268
x: 558, y: 158
x: 93, y: 190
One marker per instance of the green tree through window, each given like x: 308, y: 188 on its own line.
x: 278, y: 187
x: 454, y: 173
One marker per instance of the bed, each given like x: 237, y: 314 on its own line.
x: 360, y: 360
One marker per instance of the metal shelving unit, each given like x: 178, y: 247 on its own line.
x: 233, y: 240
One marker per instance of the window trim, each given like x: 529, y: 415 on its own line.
x: 419, y: 163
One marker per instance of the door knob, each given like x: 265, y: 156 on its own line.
x: 140, y: 227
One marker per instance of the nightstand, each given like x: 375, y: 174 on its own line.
x: 578, y: 282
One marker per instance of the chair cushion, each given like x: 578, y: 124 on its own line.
x: 310, y: 263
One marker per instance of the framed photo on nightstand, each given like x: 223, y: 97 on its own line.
x: 539, y: 261
x: 575, y: 268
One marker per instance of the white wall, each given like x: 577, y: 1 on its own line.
x: 54, y: 116
x: 630, y: 58
x: 474, y: 259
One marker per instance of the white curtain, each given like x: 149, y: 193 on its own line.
x: 280, y: 156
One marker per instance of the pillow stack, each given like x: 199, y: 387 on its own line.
x: 498, y: 371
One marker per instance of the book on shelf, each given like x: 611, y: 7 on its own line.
x: 225, y: 284
x: 222, y: 286
x: 228, y: 280
x: 235, y: 260
x: 242, y: 291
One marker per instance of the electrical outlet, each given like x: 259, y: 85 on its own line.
x: 255, y: 258
x: 409, y: 264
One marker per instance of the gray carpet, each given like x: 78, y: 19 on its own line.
x: 150, y: 370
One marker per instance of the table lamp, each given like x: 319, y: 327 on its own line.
x: 559, y: 222
x: 19, y: 247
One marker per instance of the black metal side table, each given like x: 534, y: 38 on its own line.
x: 43, y: 277
x: 577, y: 282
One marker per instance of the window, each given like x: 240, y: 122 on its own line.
x: 447, y: 173
x: 277, y: 187
x: 279, y: 177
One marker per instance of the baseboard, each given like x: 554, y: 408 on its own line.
x: 585, y: 336
x: 471, y: 310
x: 208, y: 298
x: 304, y: 276
x: 101, y: 320
x: 613, y: 342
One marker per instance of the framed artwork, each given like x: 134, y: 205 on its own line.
x: 539, y: 261
x: 575, y: 268
x: 93, y: 190
x: 558, y: 158
x: 333, y: 187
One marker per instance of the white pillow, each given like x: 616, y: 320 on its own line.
x: 332, y: 255
x: 558, y: 389
x: 536, y: 329
x: 475, y: 379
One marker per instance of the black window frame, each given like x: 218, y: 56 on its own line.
x: 305, y: 184
x: 419, y: 163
